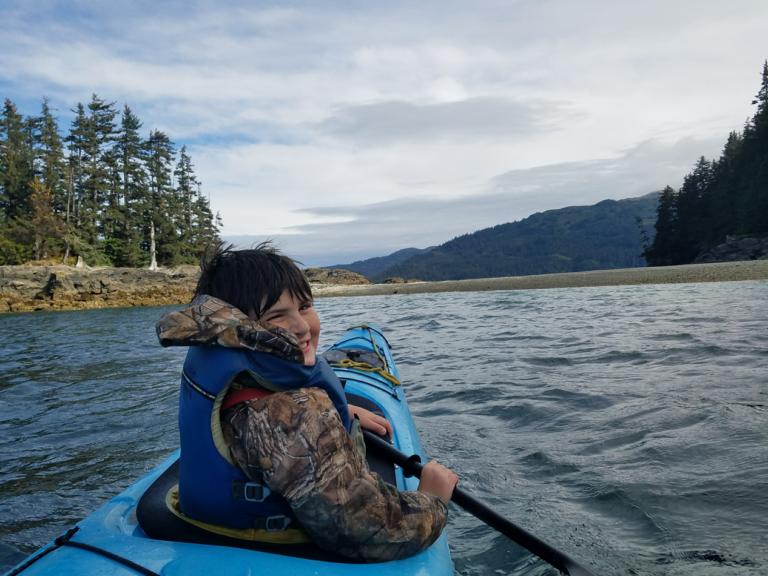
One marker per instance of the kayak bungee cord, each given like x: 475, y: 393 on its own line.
x: 65, y: 540
x: 364, y: 366
x: 412, y: 466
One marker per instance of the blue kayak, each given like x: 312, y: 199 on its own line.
x: 363, y: 361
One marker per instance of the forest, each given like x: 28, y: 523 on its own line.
x: 102, y: 191
x: 373, y: 265
x: 572, y: 239
x: 719, y: 198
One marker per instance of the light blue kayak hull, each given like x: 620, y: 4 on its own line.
x: 114, y: 527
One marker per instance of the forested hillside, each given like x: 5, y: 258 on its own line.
x: 720, y: 198
x: 101, y: 191
x: 374, y: 265
x: 572, y: 239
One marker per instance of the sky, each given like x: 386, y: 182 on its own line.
x: 348, y: 130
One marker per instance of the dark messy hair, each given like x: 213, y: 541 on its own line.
x: 251, y: 279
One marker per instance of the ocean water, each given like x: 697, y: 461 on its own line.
x: 627, y: 426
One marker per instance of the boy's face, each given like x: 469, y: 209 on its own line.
x: 300, y: 317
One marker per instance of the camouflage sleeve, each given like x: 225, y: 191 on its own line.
x: 296, y: 443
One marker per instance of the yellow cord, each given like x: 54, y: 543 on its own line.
x: 364, y: 366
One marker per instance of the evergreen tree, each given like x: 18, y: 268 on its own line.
x: 693, y: 211
x: 50, y: 155
x: 98, y: 167
x: 186, y: 186
x: 76, y: 142
x: 17, y: 161
x: 198, y: 229
x: 724, y: 190
x: 131, y: 160
x: 661, y: 251
x: 206, y: 229
x: 130, y: 186
x: 43, y: 226
x: 161, y: 203
x: 753, y: 204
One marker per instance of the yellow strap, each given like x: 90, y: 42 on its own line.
x: 365, y: 367
x: 291, y: 536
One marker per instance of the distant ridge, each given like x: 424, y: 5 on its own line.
x: 600, y: 237
x: 374, y: 265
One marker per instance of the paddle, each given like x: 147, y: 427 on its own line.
x: 412, y: 466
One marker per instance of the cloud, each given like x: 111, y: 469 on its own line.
x: 381, y: 228
x: 650, y: 165
x: 363, y: 125
x: 495, y: 118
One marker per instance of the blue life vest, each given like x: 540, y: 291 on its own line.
x: 210, y: 488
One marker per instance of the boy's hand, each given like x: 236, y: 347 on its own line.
x: 438, y: 480
x: 371, y: 421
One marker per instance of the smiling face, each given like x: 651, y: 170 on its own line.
x: 298, y: 316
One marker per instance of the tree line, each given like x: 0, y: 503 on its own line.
x: 572, y: 239
x: 719, y: 198
x: 101, y: 191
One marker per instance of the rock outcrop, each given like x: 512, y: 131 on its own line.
x: 34, y: 288
x: 734, y: 250
x: 343, y: 277
x: 397, y: 280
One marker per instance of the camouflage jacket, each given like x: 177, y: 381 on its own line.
x: 296, y: 444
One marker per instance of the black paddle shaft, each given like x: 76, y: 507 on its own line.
x: 412, y: 466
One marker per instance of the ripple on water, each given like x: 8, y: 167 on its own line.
x: 626, y: 425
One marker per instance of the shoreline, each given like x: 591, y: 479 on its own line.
x: 683, y: 274
x: 60, y: 287
x: 34, y: 289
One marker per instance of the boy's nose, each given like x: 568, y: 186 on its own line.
x: 300, y: 326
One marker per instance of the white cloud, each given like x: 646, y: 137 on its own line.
x: 296, y: 110
x: 466, y: 120
x: 424, y: 221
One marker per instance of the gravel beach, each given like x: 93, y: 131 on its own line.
x: 38, y: 288
x: 716, y: 272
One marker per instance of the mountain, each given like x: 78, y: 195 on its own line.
x: 374, y: 265
x: 572, y: 239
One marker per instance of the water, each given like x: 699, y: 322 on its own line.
x: 626, y: 426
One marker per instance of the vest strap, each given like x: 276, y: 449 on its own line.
x: 250, y: 491
x: 271, y: 523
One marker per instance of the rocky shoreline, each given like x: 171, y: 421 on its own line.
x: 38, y: 288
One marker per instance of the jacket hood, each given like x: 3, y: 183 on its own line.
x: 208, y: 321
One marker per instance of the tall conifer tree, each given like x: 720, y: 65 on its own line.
x: 50, y: 154
x: 753, y: 205
x: 160, y: 203
x: 76, y: 143
x: 186, y: 186
x: 17, y: 161
x: 41, y: 225
x: 131, y: 179
x: 99, y: 136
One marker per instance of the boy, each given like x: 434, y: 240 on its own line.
x: 265, y: 428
